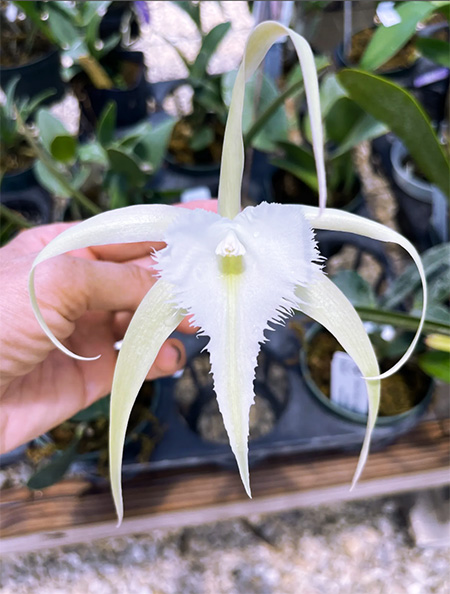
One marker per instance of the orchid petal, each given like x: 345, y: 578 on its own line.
x: 155, y: 319
x: 126, y: 225
x: 325, y: 303
x: 258, y: 44
x: 219, y: 269
x: 339, y: 220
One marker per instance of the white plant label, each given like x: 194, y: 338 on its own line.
x: 348, y: 388
x: 197, y: 193
x: 387, y: 14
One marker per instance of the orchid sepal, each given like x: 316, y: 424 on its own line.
x: 127, y: 225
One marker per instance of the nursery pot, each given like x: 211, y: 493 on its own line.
x: 324, y: 27
x: 404, y: 397
x: 288, y: 189
x: 111, y: 23
x: 422, y: 207
x: 91, y: 455
x: 197, y: 402
x: 400, y: 68
x: 131, y: 102
x: 21, y: 192
x: 36, y: 76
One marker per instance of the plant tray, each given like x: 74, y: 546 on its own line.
x: 77, y: 511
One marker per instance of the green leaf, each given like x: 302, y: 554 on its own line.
x: 108, y: 45
x: 397, y: 108
x: 298, y: 161
x: 366, y: 127
x: 64, y: 32
x: 355, y: 288
x: 436, y: 50
x: 10, y: 92
x: 92, y: 32
x: 80, y: 176
x: 434, y: 261
x: 202, y: 138
x: 386, y: 41
x: 156, y: 141
x: 106, y: 126
x: 55, y: 137
x: 53, y: 472
x: 193, y: 10
x: 31, y: 107
x: 403, y: 321
x: 92, y: 153
x: 209, y: 46
x: 91, y: 9
x: 307, y: 176
x: 436, y: 364
x: 122, y: 163
x: 93, y: 412
x: 31, y: 11
x: 50, y: 182
x: 116, y: 188
x: 442, y: 8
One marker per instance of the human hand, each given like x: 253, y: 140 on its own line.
x: 87, y: 298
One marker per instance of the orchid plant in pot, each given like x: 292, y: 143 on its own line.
x: 235, y: 273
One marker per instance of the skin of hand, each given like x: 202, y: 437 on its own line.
x: 87, y: 298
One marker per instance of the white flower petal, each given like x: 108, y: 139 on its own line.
x: 258, y: 44
x: 339, y: 220
x: 125, y: 225
x: 154, y: 320
x: 325, y: 303
x: 232, y: 298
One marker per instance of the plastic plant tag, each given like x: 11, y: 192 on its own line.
x: 348, y: 388
x: 387, y: 14
x: 197, y: 193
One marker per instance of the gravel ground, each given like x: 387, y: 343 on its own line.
x: 359, y: 547
x: 353, y: 548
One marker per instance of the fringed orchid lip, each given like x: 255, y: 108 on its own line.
x: 235, y: 273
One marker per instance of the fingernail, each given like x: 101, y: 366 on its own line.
x: 178, y: 354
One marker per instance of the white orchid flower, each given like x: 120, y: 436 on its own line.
x: 235, y: 273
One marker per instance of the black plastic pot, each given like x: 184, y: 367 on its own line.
x: 131, y: 102
x: 397, y: 424
x: 21, y: 192
x: 93, y: 464
x: 324, y: 27
x: 36, y: 77
x: 303, y: 423
x: 402, y: 76
x: 112, y: 21
x: 353, y: 202
x: 422, y: 207
x: 179, y: 177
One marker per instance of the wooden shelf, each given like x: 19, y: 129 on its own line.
x: 76, y: 511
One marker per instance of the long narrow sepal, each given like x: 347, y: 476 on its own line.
x: 325, y: 303
x: 339, y: 220
x: 258, y: 44
x: 126, y: 225
x: 154, y: 320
